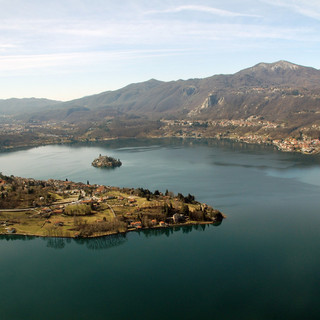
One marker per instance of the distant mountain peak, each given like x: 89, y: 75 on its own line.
x: 154, y: 80
x: 282, y: 64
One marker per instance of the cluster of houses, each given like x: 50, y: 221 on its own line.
x: 7, y: 226
x: 254, y: 138
x: 175, y: 219
x: 250, y: 122
x: 305, y: 145
x: 154, y: 223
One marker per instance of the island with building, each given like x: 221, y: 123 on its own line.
x: 56, y: 208
x: 106, y: 162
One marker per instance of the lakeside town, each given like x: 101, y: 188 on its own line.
x: 225, y: 129
x: 56, y: 208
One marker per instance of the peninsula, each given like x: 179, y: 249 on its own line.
x: 106, y: 162
x: 56, y: 208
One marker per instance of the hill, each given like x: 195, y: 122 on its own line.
x: 280, y: 91
x: 269, y: 103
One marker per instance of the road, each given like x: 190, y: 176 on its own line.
x: 114, y: 215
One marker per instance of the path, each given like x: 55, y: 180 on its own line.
x: 114, y: 215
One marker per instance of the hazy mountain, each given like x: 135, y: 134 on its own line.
x: 276, y: 91
x: 15, y: 106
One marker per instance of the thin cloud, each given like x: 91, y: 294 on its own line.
x: 87, y: 36
x: 210, y: 10
x: 7, y: 46
x: 42, y: 61
x: 310, y: 9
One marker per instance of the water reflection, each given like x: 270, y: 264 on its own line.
x: 16, y: 237
x: 107, y: 242
x: 56, y: 243
x: 103, y: 242
x: 100, y: 243
x: 169, y: 231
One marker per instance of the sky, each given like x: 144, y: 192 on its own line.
x: 67, y: 49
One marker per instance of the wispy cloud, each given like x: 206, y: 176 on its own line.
x: 188, y: 35
x: 42, y: 61
x: 4, y: 47
x: 309, y: 8
x: 110, y: 40
x: 205, y: 9
x: 87, y: 35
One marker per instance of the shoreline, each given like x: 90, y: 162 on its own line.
x: 191, y: 223
x: 283, y: 145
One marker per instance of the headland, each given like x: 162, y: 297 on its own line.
x: 56, y: 208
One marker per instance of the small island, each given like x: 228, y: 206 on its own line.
x: 106, y: 162
x: 57, y: 208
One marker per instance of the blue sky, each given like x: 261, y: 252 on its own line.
x: 65, y: 49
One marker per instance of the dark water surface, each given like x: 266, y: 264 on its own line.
x: 262, y: 262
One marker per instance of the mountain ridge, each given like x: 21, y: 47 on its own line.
x: 276, y: 103
x: 278, y: 91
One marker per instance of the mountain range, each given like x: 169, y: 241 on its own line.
x: 279, y: 92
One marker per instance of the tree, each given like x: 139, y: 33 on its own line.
x: 197, y: 216
x: 180, y: 197
x: 165, y: 209
x: 77, y: 210
x: 185, y: 209
x: 190, y: 198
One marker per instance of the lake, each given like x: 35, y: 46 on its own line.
x: 262, y: 262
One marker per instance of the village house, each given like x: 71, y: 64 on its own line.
x: 100, y: 190
x: 58, y: 211
x: 46, y: 210
x: 178, y: 217
x: 11, y: 230
x: 132, y: 200
x: 136, y: 224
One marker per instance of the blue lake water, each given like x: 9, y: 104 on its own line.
x: 262, y: 262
